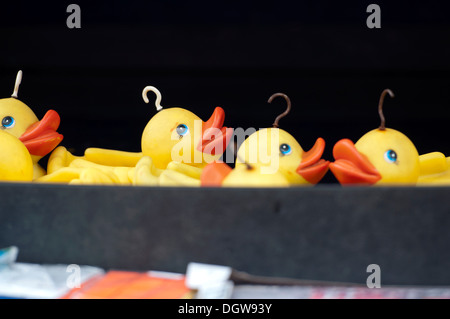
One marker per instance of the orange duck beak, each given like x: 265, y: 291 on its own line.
x: 313, y: 168
x: 352, y: 167
x: 41, y: 137
x: 215, y: 136
x: 214, y: 173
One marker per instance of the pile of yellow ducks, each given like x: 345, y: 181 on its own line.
x: 179, y: 149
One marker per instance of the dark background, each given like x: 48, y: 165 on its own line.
x: 234, y: 54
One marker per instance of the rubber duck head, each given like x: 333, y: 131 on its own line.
x: 274, y: 150
x: 381, y: 156
x: 39, y: 136
x: 177, y: 134
x: 15, y: 160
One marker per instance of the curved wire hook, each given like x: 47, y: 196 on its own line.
x: 288, y: 109
x: 158, y: 96
x: 380, y: 107
x: 16, y: 85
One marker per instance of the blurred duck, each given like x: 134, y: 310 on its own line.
x: 39, y: 137
x: 270, y: 157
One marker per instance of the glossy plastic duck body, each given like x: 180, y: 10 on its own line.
x: 270, y: 157
x: 39, y: 137
x: 177, y: 142
x: 384, y: 156
x: 434, y: 169
x: 15, y: 160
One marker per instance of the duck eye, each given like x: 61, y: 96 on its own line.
x: 182, y: 129
x: 390, y: 156
x: 285, y: 149
x: 8, y: 122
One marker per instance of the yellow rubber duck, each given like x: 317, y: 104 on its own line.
x: 178, y: 142
x: 15, y: 160
x: 382, y: 156
x: 270, y: 157
x: 39, y: 137
x: 176, y: 134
